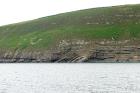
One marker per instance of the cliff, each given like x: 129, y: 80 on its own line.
x: 107, y: 34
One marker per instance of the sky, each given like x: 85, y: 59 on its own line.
x: 13, y: 11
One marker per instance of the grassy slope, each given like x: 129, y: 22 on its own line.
x: 120, y: 22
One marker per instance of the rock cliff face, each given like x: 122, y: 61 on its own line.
x: 110, y: 34
x: 72, y: 51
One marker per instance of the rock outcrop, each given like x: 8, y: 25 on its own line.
x: 77, y: 51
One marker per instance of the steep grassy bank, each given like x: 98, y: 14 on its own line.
x: 61, y: 35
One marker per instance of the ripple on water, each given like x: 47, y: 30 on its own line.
x: 69, y: 78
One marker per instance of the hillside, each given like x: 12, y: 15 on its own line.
x: 75, y: 36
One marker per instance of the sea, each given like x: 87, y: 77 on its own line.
x: 70, y: 78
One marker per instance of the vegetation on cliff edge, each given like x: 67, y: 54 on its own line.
x: 109, y: 23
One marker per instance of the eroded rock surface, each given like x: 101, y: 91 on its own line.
x: 77, y: 51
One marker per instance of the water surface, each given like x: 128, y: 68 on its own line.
x: 70, y: 78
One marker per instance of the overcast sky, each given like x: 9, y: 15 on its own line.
x: 13, y: 11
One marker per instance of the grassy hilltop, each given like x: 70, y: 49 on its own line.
x: 117, y: 23
x: 111, y: 33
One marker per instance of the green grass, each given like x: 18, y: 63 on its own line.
x: 117, y: 22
